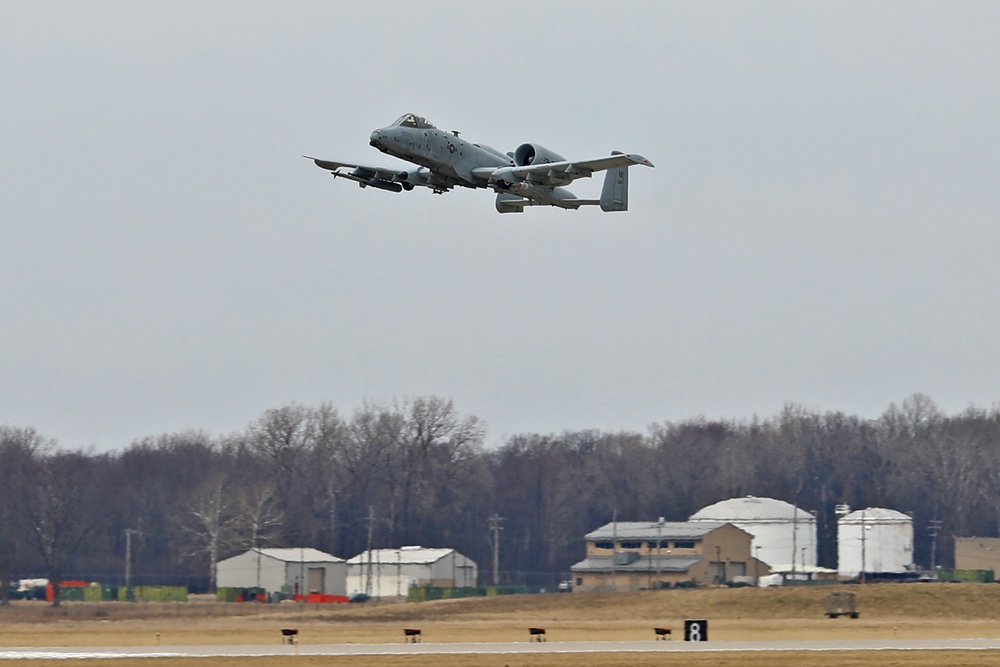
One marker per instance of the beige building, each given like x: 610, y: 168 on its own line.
x: 639, y: 555
x: 978, y: 553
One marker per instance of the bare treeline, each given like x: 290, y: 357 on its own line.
x: 417, y: 472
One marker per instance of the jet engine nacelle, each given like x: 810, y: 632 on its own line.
x: 529, y: 154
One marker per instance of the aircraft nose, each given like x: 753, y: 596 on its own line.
x: 376, y: 138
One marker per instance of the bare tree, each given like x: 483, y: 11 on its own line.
x: 299, y: 449
x: 431, y: 444
x: 212, y: 525
x: 19, y: 449
x: 59, y: 503
x: 257, y: 515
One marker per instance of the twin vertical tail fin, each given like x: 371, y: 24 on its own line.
x: 614, y: 196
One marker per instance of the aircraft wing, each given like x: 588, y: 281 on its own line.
x: 562, y: 203
x: 385, y: 178
x: 561, y: 173
x: 358, y: 172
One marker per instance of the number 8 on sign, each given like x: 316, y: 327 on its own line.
x: 696, y: 631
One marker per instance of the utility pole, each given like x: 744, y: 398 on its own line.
x: 256, y: 551
x: 495, y: 528
x: 128, y: 554
x: 333, y: 517
x: 371, y: 524
x: 932, y: 530
x: 128, y: 557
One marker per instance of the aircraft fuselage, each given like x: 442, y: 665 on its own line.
x: 444, y: 153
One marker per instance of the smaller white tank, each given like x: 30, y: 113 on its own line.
x: 874, y: 540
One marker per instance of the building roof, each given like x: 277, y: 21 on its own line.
x: 876, y: 515
x: 651, y: 530
x: 403, y: 555
x: 640, y: 564
x: 300, y: 555
x: 750, y: 509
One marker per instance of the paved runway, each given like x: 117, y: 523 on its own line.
x: 496, y: 648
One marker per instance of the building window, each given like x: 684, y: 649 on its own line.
x: 663, y: 544
x: 604, y: 545
x: 631, y: 545
x: 683, y: 545
x: 579, y: 581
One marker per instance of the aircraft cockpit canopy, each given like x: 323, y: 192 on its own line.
x: 411, y: 120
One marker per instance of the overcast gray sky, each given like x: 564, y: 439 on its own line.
x: 821, y: 226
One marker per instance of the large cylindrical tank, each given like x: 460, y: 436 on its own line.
x: 874, y: 540
x: 783, y: 534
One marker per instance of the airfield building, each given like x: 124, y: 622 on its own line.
x: 639, y: 555
x: 391, y: 572
x: 292, y: 571
x: 977, y: 553
x: 784, y: 536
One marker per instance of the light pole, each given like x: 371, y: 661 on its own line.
x: 841, y: 510
x: 495, y: 528
x: 659, y: 544
x: 614, y: 549
x: 932, y: 530
x: 795, y: 533
x: 863, y: 536
x: 756, y: 565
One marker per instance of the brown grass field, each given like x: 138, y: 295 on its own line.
x: 887, y: 611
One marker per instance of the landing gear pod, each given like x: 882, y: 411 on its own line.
x: 382, y: 184
x: 505, y: 203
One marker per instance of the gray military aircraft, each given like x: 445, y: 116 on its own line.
x: 530, y: 176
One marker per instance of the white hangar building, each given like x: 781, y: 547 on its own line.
x: 295, y: 570
x: 874, y: 540
x: 391, y: 572
x: 783, y: 534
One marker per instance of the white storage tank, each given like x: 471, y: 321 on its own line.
x: 874, y: 540
x: 783, y: 534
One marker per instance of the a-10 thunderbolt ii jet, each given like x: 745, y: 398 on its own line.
x: 529, y: 176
